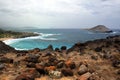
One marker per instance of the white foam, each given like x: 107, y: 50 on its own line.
x: 20, y: 49
x: 11, y: 41
x: 46, y: 35
x: 48, y: 39
x: 42, y: 36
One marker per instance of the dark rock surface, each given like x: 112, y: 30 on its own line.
x: 63, y: 48
x: 5, y: 48
x: 29, y: 74
x: 67, y: 72
x: 2, y: 66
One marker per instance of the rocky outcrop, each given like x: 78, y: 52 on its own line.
x: 63, y: 48
x: 100, y: 28
x: 49, y: 48
x: 97, y: 45
x: 5, y: 48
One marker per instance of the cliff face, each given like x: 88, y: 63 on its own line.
x: 5, y: 48
x: 100, y: 28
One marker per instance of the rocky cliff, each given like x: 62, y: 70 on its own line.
x: 5, y: 48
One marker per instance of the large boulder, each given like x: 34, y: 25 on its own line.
x: 85, y: 76
x: 40, y: 69
x: 67, y: 72
x: 82, y: 69
x: 5, y: 48
x: 50, y: 68
x: 116, y: 63
x: 57, y: 49
x: 49, y: 48
x: 70, y: 64
x: 2, y: 66
x: 32, y: 58
x: 6, y: 60
x: 55, y: 74
x: 63, y: 48
x: 60, y: 64
x: 30, y: 65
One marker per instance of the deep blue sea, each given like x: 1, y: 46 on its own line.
x: 56, y: 37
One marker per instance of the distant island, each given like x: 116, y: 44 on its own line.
x: 12, y: 34
x: 100, y: 28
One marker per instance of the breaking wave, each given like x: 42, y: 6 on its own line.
x: 42, y: 36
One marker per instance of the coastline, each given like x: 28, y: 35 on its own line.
x: 77, y: 63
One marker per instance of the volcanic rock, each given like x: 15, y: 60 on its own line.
x: 73, y: 65
x: 29, y: 74
x: 63, y: 48
x: 50, y: 68
x: 82, y: 69
x: 5, y: 48
x: 55, y: 74
x: 57, y: 49
x: 84, y: 76
x: 49, y: 48
x: 60, y: 64
x: 67, y: 72
x: 32, y: 58
x: 40, y: 69
x: 116, y: 63
x: 30, y: 65
x: 6, y: 60
x: 118, y: 72
x: 2, y: 66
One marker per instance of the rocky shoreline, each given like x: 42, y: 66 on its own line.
x: 92, y: 60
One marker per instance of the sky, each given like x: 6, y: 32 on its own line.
x: 59, y: 13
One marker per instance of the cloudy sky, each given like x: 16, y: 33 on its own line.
x: 59, y: 13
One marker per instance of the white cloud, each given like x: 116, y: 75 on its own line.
x: 59, y: 12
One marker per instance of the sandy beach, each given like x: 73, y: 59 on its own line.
x: 3, y: 39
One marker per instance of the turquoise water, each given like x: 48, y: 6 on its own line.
x: 56, y: 37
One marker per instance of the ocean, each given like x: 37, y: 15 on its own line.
x: 56, y: 37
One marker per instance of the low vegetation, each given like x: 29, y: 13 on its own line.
x: 13, y: 34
